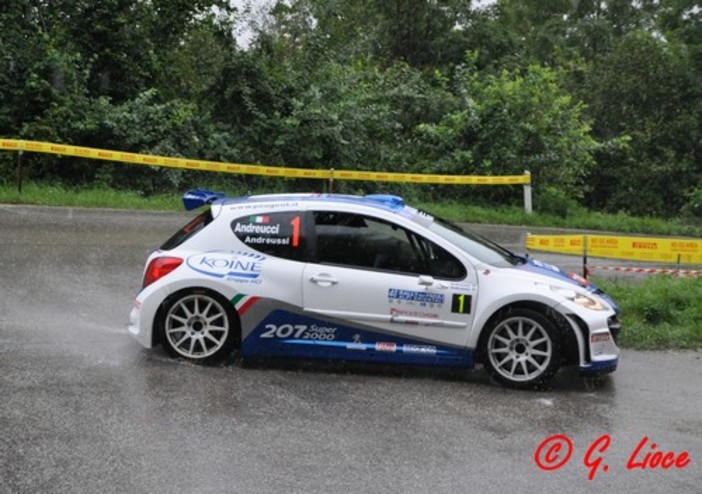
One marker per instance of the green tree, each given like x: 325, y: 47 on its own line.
x: 371, y: 84
x: 511, y: 122
x: 424, y: 34
x: 643, y: 89
x: 36, y: 72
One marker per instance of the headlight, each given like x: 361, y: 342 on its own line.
x: 580, y: 298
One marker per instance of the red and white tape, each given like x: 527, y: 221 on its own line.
x: 670, y: 271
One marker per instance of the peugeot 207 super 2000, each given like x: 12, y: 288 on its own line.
x: 365, y: 279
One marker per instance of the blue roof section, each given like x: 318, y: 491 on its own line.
x: 196, y: 198
x: 394, y: 202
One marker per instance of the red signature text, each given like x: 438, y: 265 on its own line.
x: 555, y: 452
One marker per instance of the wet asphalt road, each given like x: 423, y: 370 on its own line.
x: 83, y: 408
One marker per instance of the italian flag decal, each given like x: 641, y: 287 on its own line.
x: 259, y: 219
x: 242, y: 303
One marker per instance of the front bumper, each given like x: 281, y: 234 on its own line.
x: 599, y: 368
x: 596, y: 333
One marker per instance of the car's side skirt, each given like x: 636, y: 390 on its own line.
x: 283, y: 333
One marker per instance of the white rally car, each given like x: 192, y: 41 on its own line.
x: 365, y: 279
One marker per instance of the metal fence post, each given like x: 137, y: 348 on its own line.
x: 19, y: 171
x: 527, y: 194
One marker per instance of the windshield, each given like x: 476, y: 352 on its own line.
x: 476, y: 245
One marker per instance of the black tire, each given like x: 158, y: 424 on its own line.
x: 521, y: 348
x: 199, y: 326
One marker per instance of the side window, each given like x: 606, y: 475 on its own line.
x: 440, y: 263
x: 194, y: 226
x: 354, y: 240
x: 276, y: 234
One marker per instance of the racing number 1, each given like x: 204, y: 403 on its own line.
x: 295, y: 222
x: 460, y: 303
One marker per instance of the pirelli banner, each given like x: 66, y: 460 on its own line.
x: 653, y: 249
x: 245, y: 169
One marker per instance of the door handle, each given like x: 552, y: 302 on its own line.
x: 429, y: 281
x: 324, y: 280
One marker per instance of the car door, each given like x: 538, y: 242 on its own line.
x: 389, y: 288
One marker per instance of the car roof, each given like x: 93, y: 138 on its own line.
x: 381, y: 201
x: 196, y: 198
x: 384, y: 202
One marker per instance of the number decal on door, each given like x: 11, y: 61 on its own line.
x: 460, y: 303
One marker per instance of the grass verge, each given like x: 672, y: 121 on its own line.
x: 660, y: 312
x: 580, y: 220
x: 94, y: 197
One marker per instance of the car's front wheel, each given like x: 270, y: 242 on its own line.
x: 521, y: 348
x: 198, y: 326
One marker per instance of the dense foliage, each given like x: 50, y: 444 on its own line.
x: 600, y: 99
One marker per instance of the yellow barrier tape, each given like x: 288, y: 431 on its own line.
x: 562, y: 244
x: 271, y: 171
x: 655, y: 249
x: 669, y: 250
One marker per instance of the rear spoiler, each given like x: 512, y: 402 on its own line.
x: 197, y: 198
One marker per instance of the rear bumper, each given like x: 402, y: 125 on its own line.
x: 138, y: 327
x: 143, y: 314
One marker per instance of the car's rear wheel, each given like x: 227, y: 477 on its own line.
x: 198, y: 326
x: 521, y: 348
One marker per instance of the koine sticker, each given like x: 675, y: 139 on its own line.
x: 236, y: 265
